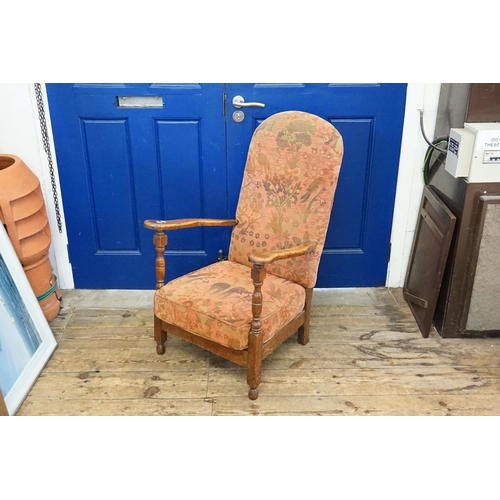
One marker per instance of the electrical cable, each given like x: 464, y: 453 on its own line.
x: 425, y: 137
x: 426, y: 169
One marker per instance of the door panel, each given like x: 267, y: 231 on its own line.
x: 347, y: 232
x: 110, y: 236
x: 119, y: 166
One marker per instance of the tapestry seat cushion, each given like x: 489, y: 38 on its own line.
x: 222, y: 310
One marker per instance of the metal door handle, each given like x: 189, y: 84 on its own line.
x: 239, y: 102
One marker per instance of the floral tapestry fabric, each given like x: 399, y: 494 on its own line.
x: 216, y: 302
x: 287, y: 192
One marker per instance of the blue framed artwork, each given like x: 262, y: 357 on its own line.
x: 26, y: 340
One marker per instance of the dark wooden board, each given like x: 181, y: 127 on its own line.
x: 431, y: 244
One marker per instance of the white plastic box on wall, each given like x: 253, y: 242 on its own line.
x: 474, y: 152
x: 460, y: 147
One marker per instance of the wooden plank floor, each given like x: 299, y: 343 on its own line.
x: 366, y: 357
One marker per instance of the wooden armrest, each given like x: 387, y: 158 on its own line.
x: 267, y: 257
x: 169, y: 225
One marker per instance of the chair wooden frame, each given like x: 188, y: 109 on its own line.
x: 252, y: 357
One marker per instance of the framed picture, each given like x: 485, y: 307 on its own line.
x: 26, y: 340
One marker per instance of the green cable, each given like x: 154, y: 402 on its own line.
x: 430, y: 150
x: 50, y: 291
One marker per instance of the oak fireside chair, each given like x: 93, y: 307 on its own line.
x: 243, y: 308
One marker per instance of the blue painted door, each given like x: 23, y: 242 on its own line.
x: 121, y: 165
x: 370, y: 119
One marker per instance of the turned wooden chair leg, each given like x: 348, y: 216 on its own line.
x: 303, y: 338
x: 160, y: 241
x: 254, y: 367
x: 254, y: 360
x: 160, y: 336
x: 253, y: 380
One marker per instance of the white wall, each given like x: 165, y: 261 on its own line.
x: 20, y: 135
x: 410, y: 181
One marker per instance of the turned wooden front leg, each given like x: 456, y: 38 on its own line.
x: 254, y: 362
x: 160, y: 336
x: 160, y: 241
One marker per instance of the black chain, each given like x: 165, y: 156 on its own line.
x: 46, y: 147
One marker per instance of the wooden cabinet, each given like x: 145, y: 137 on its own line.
x: 460, y: 299
x: 453, y: 278
x: 468, y: 301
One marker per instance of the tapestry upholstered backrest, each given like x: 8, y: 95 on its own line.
x: 287, y: 192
